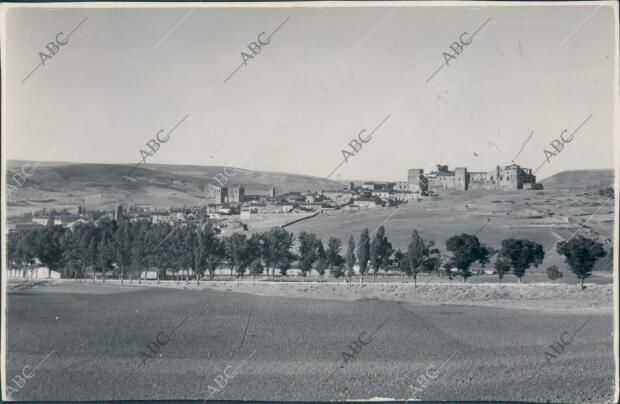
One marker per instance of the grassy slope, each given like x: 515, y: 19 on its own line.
x: 580, y: 179
x: 104, y: 185
x: 516, y: 215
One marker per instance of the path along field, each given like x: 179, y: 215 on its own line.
x: 295, y: 345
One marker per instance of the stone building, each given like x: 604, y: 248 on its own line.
x: 118, y: 213
x: 416, y: 180
x: 220, y: 194
x: 236, y: 194
x: 228, y: 194
x: 508, y: 178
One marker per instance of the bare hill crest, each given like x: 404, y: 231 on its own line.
x: 161, y: 185
x: 580, y: 180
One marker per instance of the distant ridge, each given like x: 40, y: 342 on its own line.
x: 158, y: 185
x: 580, y: 180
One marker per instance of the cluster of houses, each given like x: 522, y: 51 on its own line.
x: 225, y: 201
x: 229, y: 201
x: 234, y: 200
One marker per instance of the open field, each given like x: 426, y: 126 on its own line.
x: 286, y: 335
x: 291, y: 348
x: 545, y: 217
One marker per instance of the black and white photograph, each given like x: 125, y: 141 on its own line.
x: 312, y: 201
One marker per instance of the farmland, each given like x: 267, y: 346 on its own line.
x: 545, y: 217
x: 290, y: 348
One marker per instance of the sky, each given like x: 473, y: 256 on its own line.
x: 327, y: 74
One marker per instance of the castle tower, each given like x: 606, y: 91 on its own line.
x: 118, y: 213
x: 415, y: 180
x: 496, y: 177
x: 236, y: 194
x: 221, y: 194
x: 461, y: 180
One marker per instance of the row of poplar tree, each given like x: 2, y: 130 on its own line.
x: 130, y: 249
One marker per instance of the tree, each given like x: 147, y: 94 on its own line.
x: 70, y: 254
x: 284, y: 263
x: 92, y: 254
x: 375, y: 255
x: 402, y: 262
x: 466, y: 249
x: 238, y: 252
x: 121, y: 243
x: 276, y: 244
x: 363, y: 254
x: 554, y: 273
x: 251, y: 252
x: 199, y: 253
x: 47, y: 247
x: 308, y: 244
x: 380, y: 252
x: 581, y: 254
x: 136, y: 258
x: 105, y: 256
x: 338, y: 270
x: 417, y: 254
x: 215, y: 250
x: 169, y: 248
x: 433, y: 258
x: 334, y: 259
x: 138, y: 250
x: 86, y: 235
x: 350, y: 257
x: 321, y: 263
x: 520, y: 254
x: 501, y: 267
x: 20, y: 249
x: 256, y: 268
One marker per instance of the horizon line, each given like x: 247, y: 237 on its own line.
x: 268, y: 171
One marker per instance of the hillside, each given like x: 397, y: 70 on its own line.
x: 580, y: 180
x: 58, y: 185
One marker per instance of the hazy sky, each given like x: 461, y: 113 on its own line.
x: 327, y: 74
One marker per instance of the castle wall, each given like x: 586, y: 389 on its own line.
x: 478, y: 186
x: 509, y: 178
x: 483, y: 180
x: 441, y: 182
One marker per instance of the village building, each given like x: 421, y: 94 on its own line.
x: 161, y: 217
x: 340, y: 197
x: 365, y: 203
x: 59, y: 220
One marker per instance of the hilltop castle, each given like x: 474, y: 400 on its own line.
x: 508, y: 178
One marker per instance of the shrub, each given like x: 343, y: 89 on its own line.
x: 553, y: 273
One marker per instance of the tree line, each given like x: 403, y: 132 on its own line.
x: 130, y: 249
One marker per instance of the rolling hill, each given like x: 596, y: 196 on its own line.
x: 590, y: 180
x: 58, y: 185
